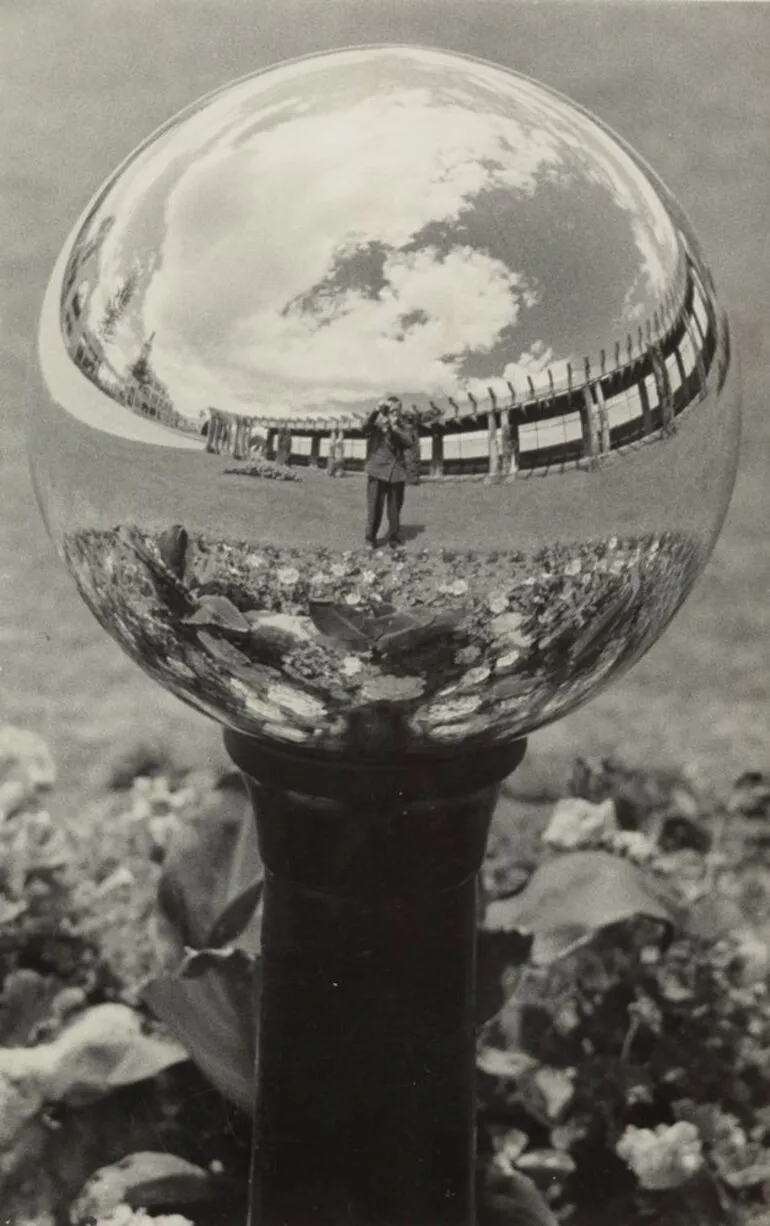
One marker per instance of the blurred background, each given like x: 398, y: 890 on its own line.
x: 83, y: 81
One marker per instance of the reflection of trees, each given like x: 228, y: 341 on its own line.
x: 117, y: 306
x: 148, y: 394
x: 141, y: 368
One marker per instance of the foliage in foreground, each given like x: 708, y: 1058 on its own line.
x: 624, y: 954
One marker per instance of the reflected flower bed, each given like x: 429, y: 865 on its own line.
x: 381, y: 650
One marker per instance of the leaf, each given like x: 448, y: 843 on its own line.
x: 750, y: 1176
x: 25, y: 1002
x: 506, y: 1064
x: 384, y: 688
x: 600, y: 630
x: 512, y: 1199
x: 166, y: 580
x: 221, y: 613
x: 394, y: 621
x: 104, y: 1049
x: 172, y: 547
x: 547, y: 1164
x: 516, y: 686
x: 497, y: 953
x: 26, y: 769
x: 580, y: 893
x: 750, y: 795
x: 211, y: 1008
x: 200, y: 860
x: 201, y: 569
x: 224, y: 652
x: 338, y: 621
x: 423, y: 630
x: 236, y: 916
x: 212, y: 860
x: 143, y: 1180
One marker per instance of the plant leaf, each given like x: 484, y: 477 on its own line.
x: 172, y: 547
x: 224, y: 652
x: 221, y: 613
x: 423, y: 630
x: 143, y: 1180
x: 398, y: 620
x: 338, y: 621
x: 579, y: 893
x: 25, y: 1002
x: 496, y: 954
x: 513, y: 1200
x: 211, y: 1008
x: 103, y: 1049
x: 236, y: 918
x: 211, y: 859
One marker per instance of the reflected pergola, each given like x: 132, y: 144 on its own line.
x: 639, y: 389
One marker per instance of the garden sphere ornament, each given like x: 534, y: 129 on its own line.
x: 384, y: 410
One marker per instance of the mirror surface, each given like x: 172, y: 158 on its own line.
x: 384, y: 401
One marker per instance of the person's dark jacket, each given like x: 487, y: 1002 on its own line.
x: 386, y: 458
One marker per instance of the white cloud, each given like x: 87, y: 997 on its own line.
x: 256, y: 216
x: 279, y: 186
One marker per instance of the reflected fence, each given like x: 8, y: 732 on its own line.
x: 631, y: 396
x: 634, y: 396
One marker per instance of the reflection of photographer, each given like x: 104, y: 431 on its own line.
x: 390, y: 437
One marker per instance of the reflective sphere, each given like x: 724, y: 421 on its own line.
x: 384, y: 402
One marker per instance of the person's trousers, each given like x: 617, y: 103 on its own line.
x: 380, y: 494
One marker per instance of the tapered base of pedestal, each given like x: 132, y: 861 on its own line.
x: 365, y: 1093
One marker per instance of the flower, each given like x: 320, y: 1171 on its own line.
x: 458, y: 587
x: 449, y: 712
x: 287, y: 575
x: 632, y: 844
x: 497, y: 602
x: 476, y: 676
x: 297, y: 702
x: 467, y: 655
x: 392, y: 689
x: 506, y: 628
x: 338, y: 569
x: 664, y: 1157
x: 353, y: 598
x: 368, y: 576
x: 579, y: 823
x: 351, y: 666
x: 123, y: 1215
x: 509, y: 660
x: 753, y: 955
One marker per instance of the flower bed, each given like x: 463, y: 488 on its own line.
x: 376, y: 650
x: 625, y: 1072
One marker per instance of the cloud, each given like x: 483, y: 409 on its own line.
x: 255, y: 204
x: 248, y: 233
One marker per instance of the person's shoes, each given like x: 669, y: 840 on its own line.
x: 370, y: 544
x: 395, y: 542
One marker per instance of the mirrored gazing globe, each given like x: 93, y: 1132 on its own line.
x: 395, y: 295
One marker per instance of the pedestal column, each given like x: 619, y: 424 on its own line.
x: 365, y: 1093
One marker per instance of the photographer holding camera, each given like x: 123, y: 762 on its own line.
x: 390, y: 437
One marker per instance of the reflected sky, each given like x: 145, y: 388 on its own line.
x: 371, y: 220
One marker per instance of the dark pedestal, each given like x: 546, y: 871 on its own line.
x: 365, y: 1094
